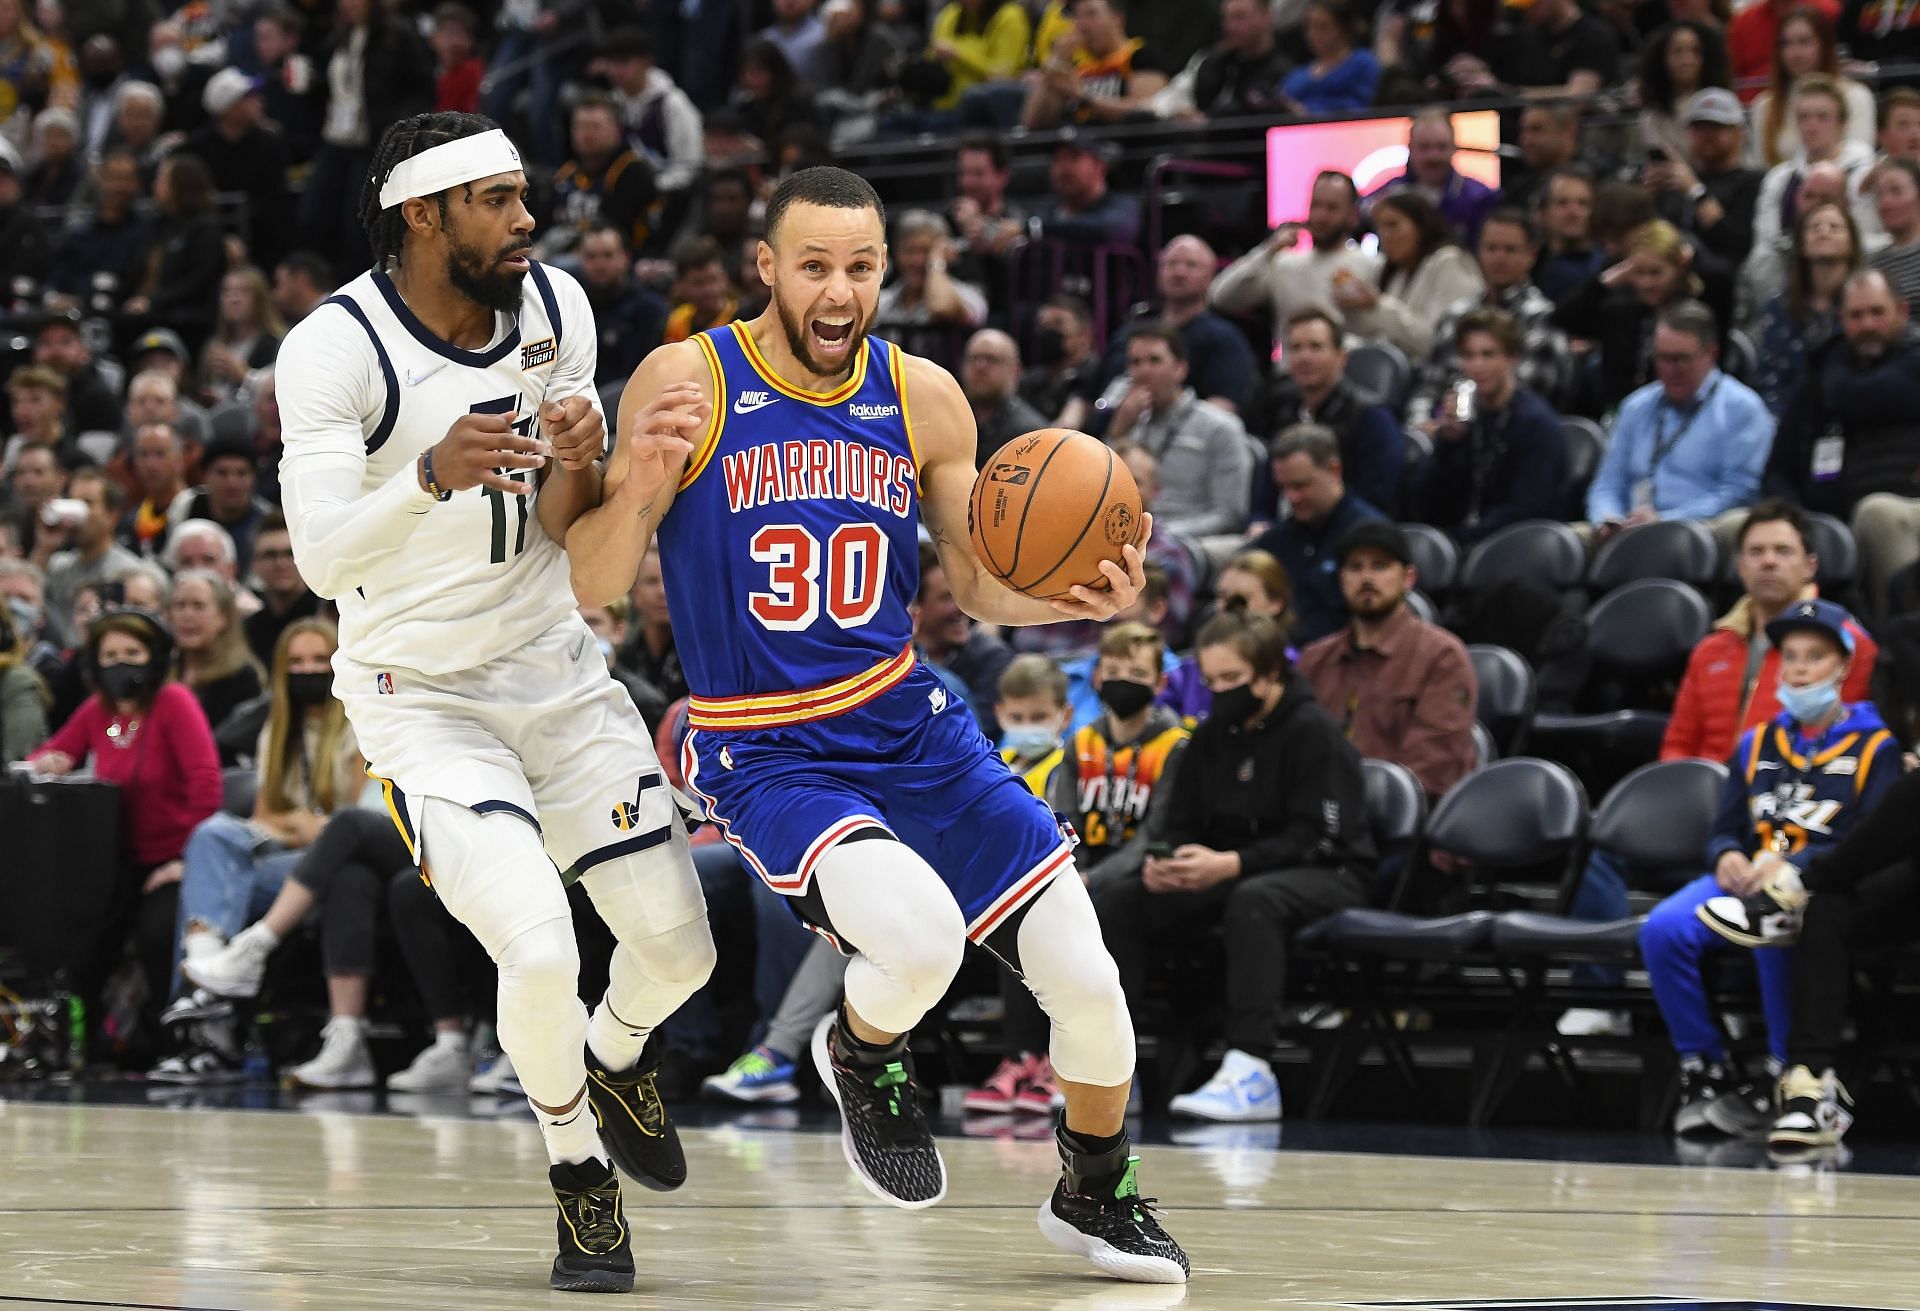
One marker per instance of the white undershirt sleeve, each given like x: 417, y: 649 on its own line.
x: 327, y: 379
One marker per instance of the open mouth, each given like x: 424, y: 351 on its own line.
x: 831, y: 333
x: 517, y: 259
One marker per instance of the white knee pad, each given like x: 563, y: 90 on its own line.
x: 541, y: 1023
x: 888, y: 904
x: 1077, y: 984
x: 648, y: 980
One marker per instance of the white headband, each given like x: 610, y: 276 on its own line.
x: 448, y: 165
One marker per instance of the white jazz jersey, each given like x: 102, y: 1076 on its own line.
x: 364, y: 386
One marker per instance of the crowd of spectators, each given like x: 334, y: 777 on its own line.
x: 1690, y: 290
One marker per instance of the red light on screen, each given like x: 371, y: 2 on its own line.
x: 1372, y: 150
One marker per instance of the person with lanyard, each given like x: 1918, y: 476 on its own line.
x: 1690, y: 445
x: 1795, y: 787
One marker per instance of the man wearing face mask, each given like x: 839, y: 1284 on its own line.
x: 1264, y: 831
x: 1061, y: 356
x: 1796, y: 786
x: 1401, y: 689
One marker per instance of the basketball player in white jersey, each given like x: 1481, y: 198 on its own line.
x: 441, y: 434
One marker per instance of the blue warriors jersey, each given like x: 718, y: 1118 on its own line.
x: 792, y: 554
x: 1797, y: 797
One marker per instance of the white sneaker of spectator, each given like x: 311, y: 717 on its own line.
x: 496, y: 1076
x: 1585, y: 1022
x: 1243, y: 1088
x: 343, y: 1062
x: 443, y: 1067
x: 199, y: 942
x: 237, y: 969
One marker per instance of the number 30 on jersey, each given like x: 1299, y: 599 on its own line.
x: 847, y: 576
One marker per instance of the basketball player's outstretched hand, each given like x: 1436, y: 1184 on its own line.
x: 575, y: 430
x: 478, y: 446
x: 662, y: 435
x: 1124, y: 585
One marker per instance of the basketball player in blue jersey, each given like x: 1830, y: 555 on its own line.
x: 784, y: 467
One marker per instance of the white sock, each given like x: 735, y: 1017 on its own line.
x: 454, y: 1038
x: 573, y: 1136
x: 615, y: 1043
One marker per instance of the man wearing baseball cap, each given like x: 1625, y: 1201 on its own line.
x: 1706, y: 192
x: 245, y: 156
x: 1402, y: 689
x: 1795, y: 786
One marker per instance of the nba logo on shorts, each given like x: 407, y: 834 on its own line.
x: 383, y: 684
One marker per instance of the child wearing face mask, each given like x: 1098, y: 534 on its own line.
x: 1104, y: 779
x: 1796, y: 786
x: 145, y: 733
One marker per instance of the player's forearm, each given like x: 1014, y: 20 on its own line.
x: 565, y: 496
x: 340, y: 539
x: 606, y: 545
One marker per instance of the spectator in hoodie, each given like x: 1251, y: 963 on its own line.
x: 1265, y: 831
x: 663, y: 127
x: 1820, y: 111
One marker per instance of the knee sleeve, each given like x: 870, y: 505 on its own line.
x: 541, y: 1023
x: 889, y: 906
x: 1077, y: 985
x: 493, y: 875
x: 651, y: 978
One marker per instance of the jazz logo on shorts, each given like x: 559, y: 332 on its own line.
x: 626, y: 815
x: 383, y: 683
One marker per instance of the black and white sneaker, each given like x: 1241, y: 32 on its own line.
x: 883, y: 1131
x: 596, y: 1251
x: 1815, y: 1111
x: 1096, y: 1211
x: 1744, y: 1110
x: 634, y: 1123
x: 1701, y: 1085
x: 1754, y: 921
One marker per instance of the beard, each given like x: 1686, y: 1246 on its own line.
x: 1372, y: 605
x: 800, y: 340
x: 480, y: 278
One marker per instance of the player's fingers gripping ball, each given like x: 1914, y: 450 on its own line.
x: 1049, y: 509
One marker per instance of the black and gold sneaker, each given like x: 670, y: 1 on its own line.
x: 596, y: 1251
x: 634, y: 1123
x: 1096, y: 1211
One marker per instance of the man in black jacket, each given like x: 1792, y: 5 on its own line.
x: 1708, y: 195
x: 245, y: 156
x: 631, y: 319
x: 1506, y: 458
x: 1316, y: 389
x: 1849, y: 443
x: 1265, y: 832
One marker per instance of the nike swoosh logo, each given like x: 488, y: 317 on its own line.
x: 415, y: 379
x: 741, y: 406
x: 579, y: 645
x: 1767, y: 764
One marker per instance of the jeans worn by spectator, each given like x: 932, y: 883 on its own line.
x: 226, y: 885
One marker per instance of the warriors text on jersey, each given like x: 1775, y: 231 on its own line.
x: 791, y: 554
x: 363, y: 383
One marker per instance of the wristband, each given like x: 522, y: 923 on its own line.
x: 434, y: 489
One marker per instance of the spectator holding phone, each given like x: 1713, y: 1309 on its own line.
x: 1264, y: 832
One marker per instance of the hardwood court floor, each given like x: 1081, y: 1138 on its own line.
x: 217, y: 1210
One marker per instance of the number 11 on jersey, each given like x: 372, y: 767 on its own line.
x: 497, y: 499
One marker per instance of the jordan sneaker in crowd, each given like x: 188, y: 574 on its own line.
x: 1040, y: 1094
x: 237, y: 969
x: 1242, y: 1089
x: 1767, y: 918
x: 444, y: 1066
x: 1815, y: 1111
x: 999, y: 1094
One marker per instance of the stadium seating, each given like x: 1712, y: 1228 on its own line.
x: 1543, y: 551
x: 1682, y: 549
x: 1505, y: 704
x: 1435, y: 558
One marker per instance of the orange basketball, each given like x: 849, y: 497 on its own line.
x: 1048, y: 508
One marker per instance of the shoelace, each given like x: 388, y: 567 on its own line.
x: 595, y: 1224
x: 901, y: 1119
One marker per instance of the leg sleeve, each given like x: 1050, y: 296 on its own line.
x: 888, y: 904
x: 1077, y: 985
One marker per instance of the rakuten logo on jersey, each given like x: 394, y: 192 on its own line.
x: 872, y: 411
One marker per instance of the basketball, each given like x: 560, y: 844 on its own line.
x: 1048, y: 508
